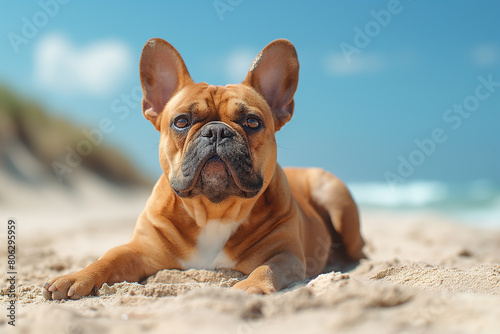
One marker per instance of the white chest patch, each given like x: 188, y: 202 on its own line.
x: 209, y: 253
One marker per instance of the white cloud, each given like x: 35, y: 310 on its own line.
x: 95, y: 69
x: 238, y: 63
x: 337, y: 64
x: 485, y: 54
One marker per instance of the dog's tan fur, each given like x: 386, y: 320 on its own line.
x: 283, y: 233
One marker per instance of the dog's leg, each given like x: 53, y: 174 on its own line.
x: 277, y: 273
x: 333, y: 201
x: 123, y: 263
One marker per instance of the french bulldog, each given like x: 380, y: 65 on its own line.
x: 223, y: 201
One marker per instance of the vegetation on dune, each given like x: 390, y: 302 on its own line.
x: 25, y: 123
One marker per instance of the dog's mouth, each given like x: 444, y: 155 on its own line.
x: 217, y: 178
x: 215, y: 171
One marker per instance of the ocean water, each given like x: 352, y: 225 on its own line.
x: 474, y: 203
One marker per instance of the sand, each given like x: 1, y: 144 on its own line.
x: 424, y: 275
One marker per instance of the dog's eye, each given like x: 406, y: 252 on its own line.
x: 181, y: 122
x: 252, y: 122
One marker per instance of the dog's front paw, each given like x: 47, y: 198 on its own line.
x: 261, y: 287
x: 72, y: 286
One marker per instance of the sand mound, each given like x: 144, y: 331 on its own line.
x: 174, y: 282
x: 226, y: 278
x: 476, y: 279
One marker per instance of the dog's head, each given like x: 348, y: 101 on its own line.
x: 216, y: 141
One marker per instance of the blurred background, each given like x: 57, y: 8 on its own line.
x: 400, y: 99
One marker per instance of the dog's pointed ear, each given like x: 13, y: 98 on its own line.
x: 162, y: 73
x: 274, y: 74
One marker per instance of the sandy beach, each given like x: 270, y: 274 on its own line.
x: 424, y: 275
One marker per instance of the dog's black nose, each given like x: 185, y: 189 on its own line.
x: 217, y: 131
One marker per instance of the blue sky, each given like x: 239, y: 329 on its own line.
x: 388, y: 110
